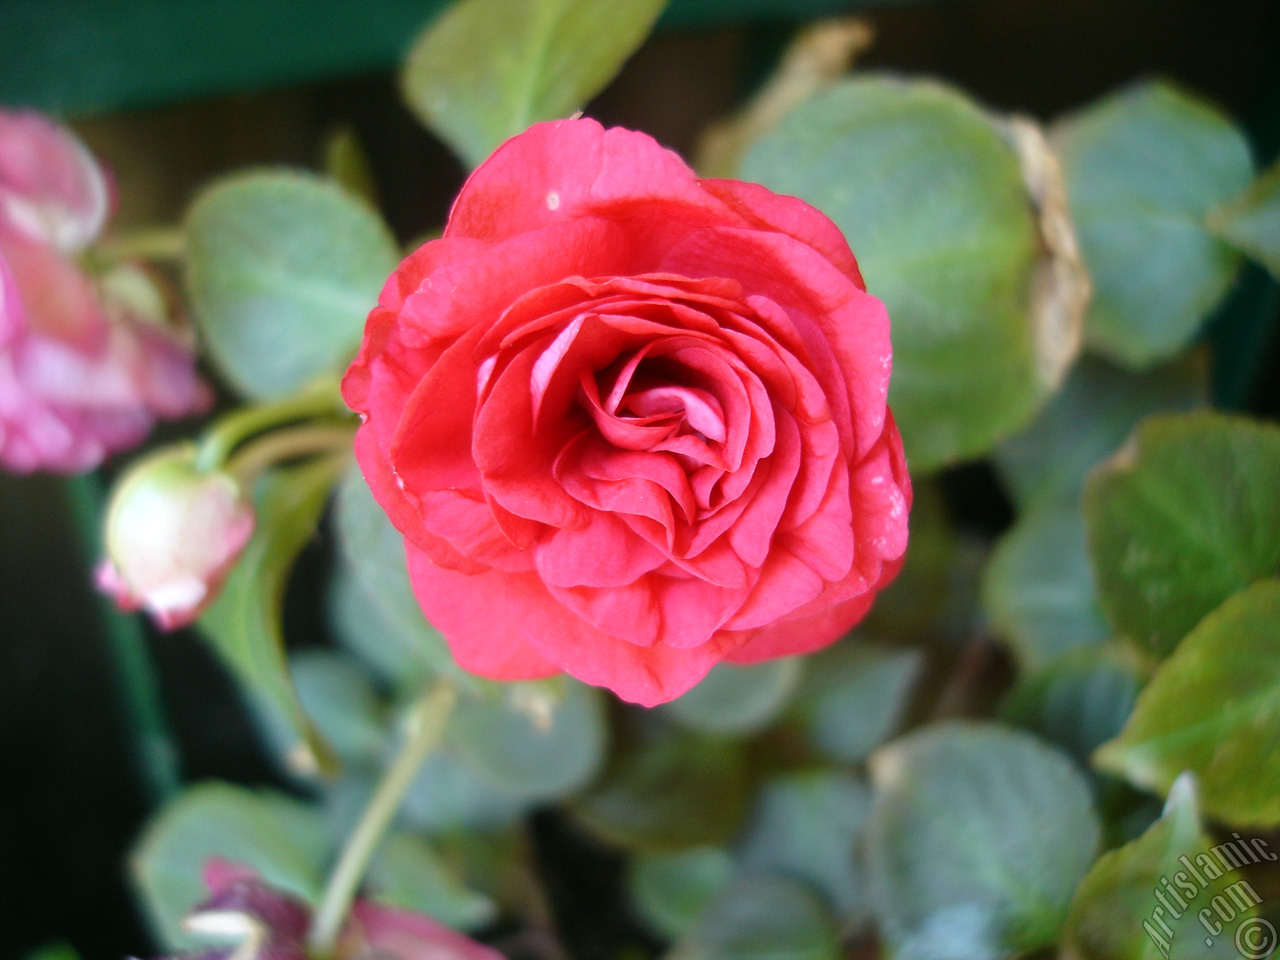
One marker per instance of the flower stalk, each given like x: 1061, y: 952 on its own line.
x: 424, y: 727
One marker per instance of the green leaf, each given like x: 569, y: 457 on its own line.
x: 978, y: 836
x: 739, y: 700
x: 1184, y: 516
x: 1251, y: 222
x: 1088, y: 419
x: 671, y: 890
x: 808, y: 826
x: 761, y: 918
x: 1213, y: 708
x: 282, y: 269
x: 340, y: 699
x: 1038, y: 586
x: 1079, y: 701
x: 449, y: 795
x: 246, y: 622
x: 285, y: 841
x: 853, y: 695
x: 1144, y: 167
x: 671, y: 791
x: 377, y: 609
x: 408, y: 873
x: 1116, y: 915
x: 487, y: 69
x: 930, y: 194
x: 535, y: 741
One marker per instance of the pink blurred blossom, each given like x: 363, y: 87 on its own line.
x: 86, y: 366
x: 268, y: 924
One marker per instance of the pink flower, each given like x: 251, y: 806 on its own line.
x: 83, y: 371
x: 270, y: 925
x: 173, y: 533
x: 631, y: 423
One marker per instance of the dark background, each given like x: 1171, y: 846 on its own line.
x: 71, y: 801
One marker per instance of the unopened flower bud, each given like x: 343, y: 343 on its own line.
x: 173, y: 533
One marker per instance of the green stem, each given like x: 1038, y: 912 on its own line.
x: 424, y: 729
x: 151, y: 243
x: 281, y: 445
x: 230, y: 431
x: 152, y: 742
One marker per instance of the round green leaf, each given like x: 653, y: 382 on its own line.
x: 535, y: 741
x: 1088, y: 419
x: 671, y: 890
x: 853, y: 695
x: 1038, y: 586
x: 761, y: 918
x: 408, y: 873
x: 807, y: 826
x: 670, y: 791
x: 1144, y: 167
x: 341, y: 701
x: 978, y: 836
x: 733, y: 699
x: 487, y: 69
x: 1115, y: 914
x: 930, y: 195
x: 282, y: 269
x: 1213, y: 708
x: 1181, y: 518
x: 285, y: 841
x: 1079, y: 701
x: 448, y: 795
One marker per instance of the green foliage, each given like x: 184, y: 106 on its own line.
x: 808, y: 826
x: 282, y: 269
x: 285, y: 841
x: 853, y: 696
x: 1183, y: 517
x: 1038, y: 586
x: 374, y: 606
x: 1251, y: 223
x: 448, y: 795
x: 1115, y: 914
x: 671, y: 790
x: 408, y: 873
x: 930, y: 195
x: 1144, y: 169
x: 246, y: 622
x: 1079, y: 701
x: 761, y: 918
x: 1088, y: 419
x: 1213, y: 707
x: 978, y: 836
x: 340, y: 700
x: 534, y: 741
x: 487, y: 69
x: 671, y: 890
x: 737, y: 700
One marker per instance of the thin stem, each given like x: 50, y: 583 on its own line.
x: 154, y: 749
x: 152, y: 243
x: 281, y: 445
x: 233, y: 429
x: 424, y: 728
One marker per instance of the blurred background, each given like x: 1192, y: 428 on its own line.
x: 170, y: 93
